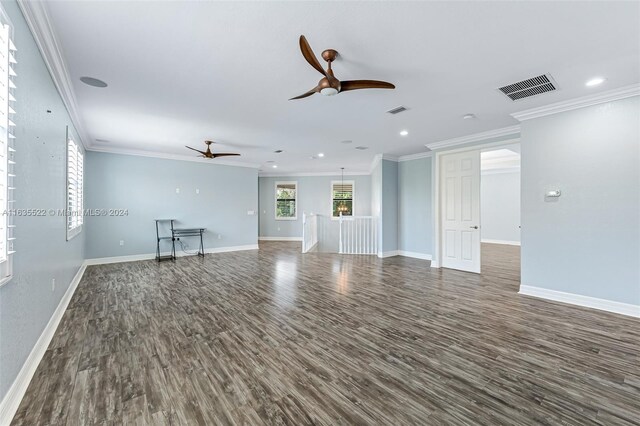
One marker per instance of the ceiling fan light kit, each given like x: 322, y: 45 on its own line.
x: 328, y: 91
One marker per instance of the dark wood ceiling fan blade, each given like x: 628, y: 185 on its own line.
x: 309, y: 93
x: 223, y: 154
x: 364, y: 84
x: 310, y: 56
x: 197, y: 150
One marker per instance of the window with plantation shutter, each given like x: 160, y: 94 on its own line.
x: 342, y: 198
x: 75, y: 206
x: 286, y: 200
x: 7, y: 146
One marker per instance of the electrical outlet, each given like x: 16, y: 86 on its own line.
x: 121, y: 242
x: 197, y: 190
x: 177, y: 190
x: 53, y: 284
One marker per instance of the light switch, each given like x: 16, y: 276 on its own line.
x: 251, y: 212
x: 177, y: 190
x: 197, y: 190
x: 553, y: 193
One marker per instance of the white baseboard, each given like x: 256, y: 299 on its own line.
x: 12, y: 399
x: 434, y: 263
x: 279, y: 238
x: 149, y: 256
x: 510, y: 243
x: 414, y: 254
x: 119, y: 259
x: 232, y: 248
x: 383, y: 254
x: 580, y: 300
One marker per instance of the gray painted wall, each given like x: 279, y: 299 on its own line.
x: 500, y: 206
x: 376, y: 199
x: 586, y: 242
x: 415, y: 206
x: 314, y: 196
x: 389, y: 205
x: 147, y: 188
x: 28, y: 301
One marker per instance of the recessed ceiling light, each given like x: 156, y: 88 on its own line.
x: 469, y: 116
x: 102, y: 141
x: 404, y: 132
x: 270, y: 161
x: 346, y: 142
x: 93, y: 82
x: 278, y: 151
x: 321, y: 155
x: 313, y: 157
x: 595, y: 81
x: 362, y: 148
x: 275, y: 166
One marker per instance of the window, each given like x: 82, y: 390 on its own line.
x: 75, y: 207
x: 286, y: 196
x: 342, y: 198
x: 7, y: 141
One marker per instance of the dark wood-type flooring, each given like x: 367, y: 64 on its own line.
x: 277, y: 337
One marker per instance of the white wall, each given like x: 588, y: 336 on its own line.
x: 500, y: 207
x: 587, y: 242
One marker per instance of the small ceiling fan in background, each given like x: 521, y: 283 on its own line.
x: 208, y: 153
x: 329, y: 85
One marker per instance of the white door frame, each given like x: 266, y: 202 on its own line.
x: 436, y: 262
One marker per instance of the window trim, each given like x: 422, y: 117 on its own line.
x: 353, y: 197
x: 6, y: 265
x: 75, y: 231
x: 275, y: 199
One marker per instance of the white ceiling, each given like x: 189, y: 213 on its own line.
x: 180, y: 72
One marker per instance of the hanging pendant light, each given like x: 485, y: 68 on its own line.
x: 342, y: 207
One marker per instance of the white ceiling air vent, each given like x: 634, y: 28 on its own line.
x: 530, y: 87
x: 397, y: 110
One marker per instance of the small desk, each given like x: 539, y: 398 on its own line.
x: 189, y: 232
x: 176, y: 234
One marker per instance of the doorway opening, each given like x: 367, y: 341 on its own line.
x: 478, y: 209
x: 500, y: 211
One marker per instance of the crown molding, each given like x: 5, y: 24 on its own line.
x: 165, y: 156
x: 585, y: 101
x: 387, y: 157
x: 502, y: 170
x: 417, y: 156
x: 37, y: 18
x: 379, y: 157
x: 476, y: 137
x: 310, y: 174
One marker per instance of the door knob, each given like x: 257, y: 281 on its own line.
x: 473, y: 227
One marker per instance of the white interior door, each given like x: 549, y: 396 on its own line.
x: 460, y: 210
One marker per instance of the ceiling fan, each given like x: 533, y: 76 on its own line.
x: 329, y: 85
x: 208, y: 153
